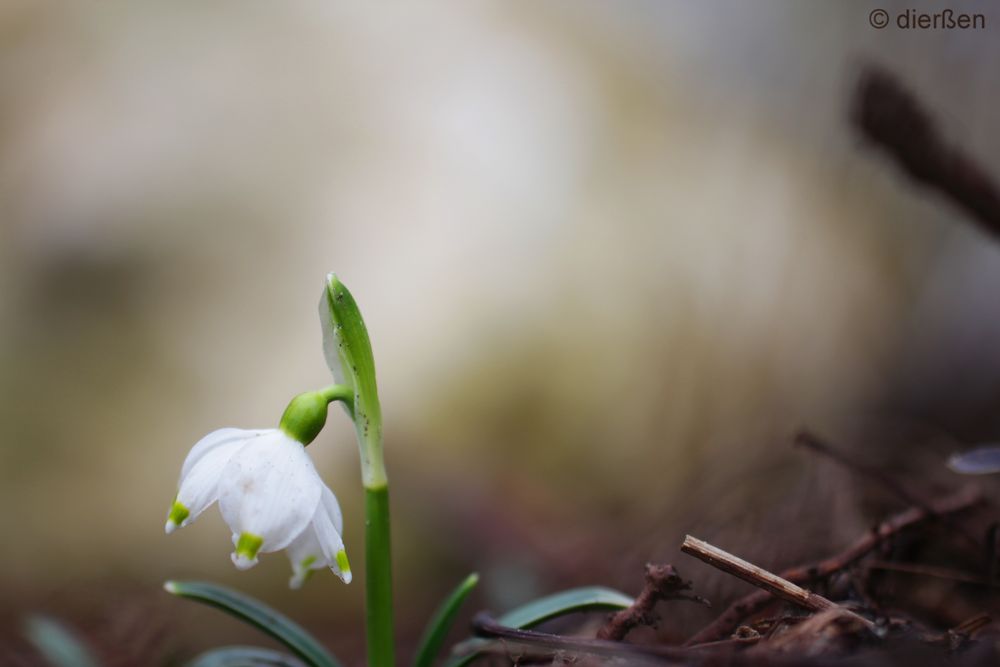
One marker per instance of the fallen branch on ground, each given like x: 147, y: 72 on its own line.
x: 753, y: 603
x: 761, y: 578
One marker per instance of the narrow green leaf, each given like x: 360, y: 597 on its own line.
x: 258, y: 614
x: 589, y: 598
x: 244, y: 656
x: 440, y: 624
x: 57, y: 643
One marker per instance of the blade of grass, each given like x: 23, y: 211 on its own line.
x: 440, y: 624
x: 258, y: 614
x: 589, y: 598
x: 57, y: 643
x: 244, y: 656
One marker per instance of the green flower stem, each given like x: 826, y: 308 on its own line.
x: 378, y: 549
x: 349, y: 355
x: 338, y: 392
x: 378, y: 578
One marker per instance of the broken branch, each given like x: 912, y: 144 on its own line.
x: 758, y: 576
x: 750, y: 604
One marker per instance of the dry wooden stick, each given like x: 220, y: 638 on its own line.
x: 750, y: 604
x: 662, y: 583
x: 758, y: 576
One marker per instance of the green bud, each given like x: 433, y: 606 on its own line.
x: 305, y: 416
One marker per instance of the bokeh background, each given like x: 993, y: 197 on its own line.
x: 610, y: 256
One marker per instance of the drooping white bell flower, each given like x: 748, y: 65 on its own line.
x: 268, y: 491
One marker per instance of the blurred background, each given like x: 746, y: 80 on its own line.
x: 610, y: 255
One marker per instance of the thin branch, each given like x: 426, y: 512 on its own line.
x: 814, y: 443
x: 892, y: 118
x: 921, y: 570
x: 662, y: 583
x: 484, y: 625
x: 750, y: 604
x: 758, y: 576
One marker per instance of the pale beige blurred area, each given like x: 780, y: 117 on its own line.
x: 609, y: 254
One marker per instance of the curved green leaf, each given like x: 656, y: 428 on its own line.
x: 589, y: 598
x: 258, y: 614
x: 244, y: 656
x: 57, y: 643
x: 440, y: 624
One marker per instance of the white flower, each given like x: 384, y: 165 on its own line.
x: 269, y: 494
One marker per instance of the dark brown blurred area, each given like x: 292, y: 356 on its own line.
x: 611, y: 257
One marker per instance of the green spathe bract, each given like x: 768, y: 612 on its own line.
x: 349, y: 355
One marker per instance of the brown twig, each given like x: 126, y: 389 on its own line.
x: 816, y: 444
x: 758, y: 576
x: 728, y: 652
x: 891, y: 117
x: 921, y: 570
x: 960, y: 635
x: 662, y: 583
x: 750, y: 604
x: 813, y: 442
x: 485, y: 626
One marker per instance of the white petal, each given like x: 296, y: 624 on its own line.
x: 270, y: 489
x: 215, y: 439
x: 305, y: 555
x: 319, y: 544
x: 305, y: 546
x: 330, y: 541
x: 332, y: 507
x: 199, y: 485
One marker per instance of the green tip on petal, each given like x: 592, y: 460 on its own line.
x: 344, y: 566
x: 247, y: 547
x: 176, y: 517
